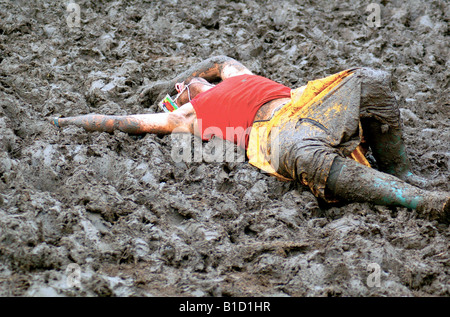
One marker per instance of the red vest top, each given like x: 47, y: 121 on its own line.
x: 228, y: 109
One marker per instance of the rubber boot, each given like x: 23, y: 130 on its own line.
x: 352, y: 181
x: 389, y: 151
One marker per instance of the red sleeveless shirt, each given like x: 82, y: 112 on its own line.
x: 228, y: 109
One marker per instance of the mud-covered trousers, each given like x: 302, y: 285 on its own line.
x: 308, y: 145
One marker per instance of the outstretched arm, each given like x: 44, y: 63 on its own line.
x: 181, y: 120
x: 213, y: 69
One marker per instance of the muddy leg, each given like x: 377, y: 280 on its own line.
x: 382, y: 126
x: 389, y: 150
x: 352, y: 181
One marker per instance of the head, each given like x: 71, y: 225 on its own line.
x: 188, y: 90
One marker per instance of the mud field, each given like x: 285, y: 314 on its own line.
x: 98, y: 214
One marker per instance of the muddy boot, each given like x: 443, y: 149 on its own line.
x: 352, y: 181
x: 389, y: 151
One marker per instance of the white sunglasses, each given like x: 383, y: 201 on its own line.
x: 168, y: 104
x: 189, y: 92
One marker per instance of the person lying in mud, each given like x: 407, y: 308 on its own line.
x: 317, y: 134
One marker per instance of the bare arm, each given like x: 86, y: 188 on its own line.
x: 213, y: 69
x: 182, y: 120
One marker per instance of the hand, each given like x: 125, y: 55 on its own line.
x: 154, y: 92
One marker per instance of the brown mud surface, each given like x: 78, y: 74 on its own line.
x: 131, y: 222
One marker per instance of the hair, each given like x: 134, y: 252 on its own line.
x: 194, y: 89
x: 196, y: 79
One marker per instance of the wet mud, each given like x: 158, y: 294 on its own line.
x: 109, y: 214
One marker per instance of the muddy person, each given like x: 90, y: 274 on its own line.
x: 317, y: 134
